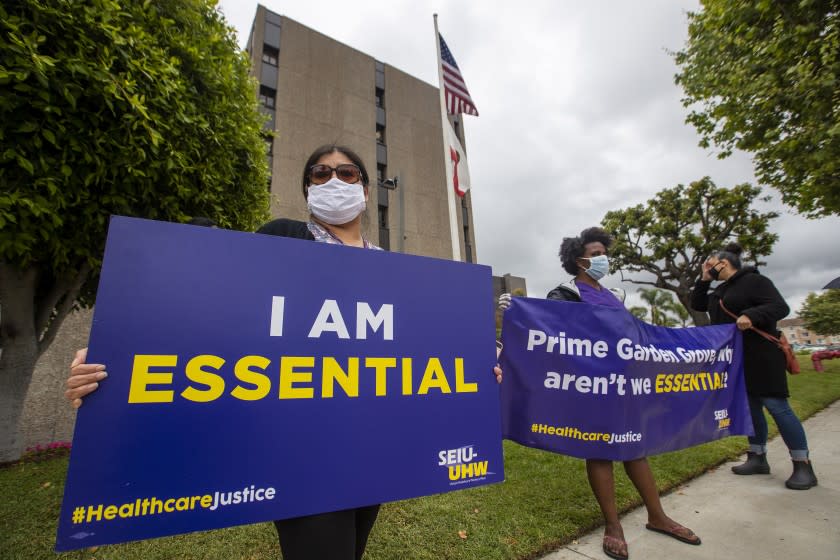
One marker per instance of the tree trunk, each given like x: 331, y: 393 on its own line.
x: 19, y: 341
x: 700, y: 318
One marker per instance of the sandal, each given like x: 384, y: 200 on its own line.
x: 682, y: 534
x: 612, y: 547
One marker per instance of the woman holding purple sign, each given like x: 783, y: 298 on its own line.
x: 585, y: 258
x: 335, y: 184
x: 750, y: 300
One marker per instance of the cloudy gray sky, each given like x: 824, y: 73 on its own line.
x: 579, y: 115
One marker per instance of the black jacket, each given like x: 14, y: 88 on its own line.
x: 287, y: 228
x: 564, y: 292
x: 749, y: 293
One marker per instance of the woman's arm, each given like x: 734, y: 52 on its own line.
x: 700, y: 295
x: 766, y: 303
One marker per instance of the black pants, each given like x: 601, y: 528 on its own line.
x: 338, y: 535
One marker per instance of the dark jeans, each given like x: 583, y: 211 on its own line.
x: 338, y: 535
x: 789, y: 426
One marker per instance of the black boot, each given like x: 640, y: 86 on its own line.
x: 755, y: 464
x: 803, y: 476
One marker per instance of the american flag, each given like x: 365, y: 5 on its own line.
x: 458, y: 99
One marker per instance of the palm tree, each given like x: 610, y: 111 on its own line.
x: 679, y: 310
x: 658, y: 300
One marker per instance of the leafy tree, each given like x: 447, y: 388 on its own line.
x: 764, y: 77
x: 821, y: 313
x: 639, y: 312
x: 671, y: 235
x: 133, y: 108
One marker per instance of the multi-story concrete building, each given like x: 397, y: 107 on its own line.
x: 315, y: 90
x: 799, y: 335
x: 509, y: 284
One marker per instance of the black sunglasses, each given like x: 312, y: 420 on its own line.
x: 347, y: 172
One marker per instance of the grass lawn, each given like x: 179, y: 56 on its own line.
x: 544, y: 503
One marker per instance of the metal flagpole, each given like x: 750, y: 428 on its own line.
x: 450, y: 187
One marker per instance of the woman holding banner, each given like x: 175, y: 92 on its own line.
x: 755, y: 302
x: 335, y: 184
x: 585, y: 258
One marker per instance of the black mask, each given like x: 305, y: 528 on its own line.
x: 714, y: 273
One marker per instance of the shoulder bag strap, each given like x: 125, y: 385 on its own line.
x: 769, y: 337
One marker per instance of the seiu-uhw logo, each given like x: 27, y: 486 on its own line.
x: 722, y: 417
x: 461, y: 463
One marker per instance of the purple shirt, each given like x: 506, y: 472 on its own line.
x: 588, y: 294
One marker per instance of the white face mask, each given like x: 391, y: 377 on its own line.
x: 336, y: 202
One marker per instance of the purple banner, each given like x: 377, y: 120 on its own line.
x: 595, y: 382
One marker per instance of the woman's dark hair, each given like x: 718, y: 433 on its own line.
x: 573, y: 248
x: 328, y: 149
x: 732, y: 253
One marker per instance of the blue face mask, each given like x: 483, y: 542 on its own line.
x: 598, y: 267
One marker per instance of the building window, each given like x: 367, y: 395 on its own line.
x: 383, y: 217
x: 384, y: 234
x: 380, y: 98
x: 380, y: 173
x: 272, y: 34
x: 380, y: 75
x: 267, y: 97
x: 380, y: 134
x: 381, y: 154
x: 270, y: 55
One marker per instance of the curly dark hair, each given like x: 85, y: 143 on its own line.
x: 573, y: 248
x: 732, y: 253
x: 328, y: 149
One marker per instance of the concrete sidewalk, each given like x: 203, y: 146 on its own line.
x: 745, y: 517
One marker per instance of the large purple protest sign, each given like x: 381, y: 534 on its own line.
x: 595, y: 382
x: 253, y: 377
